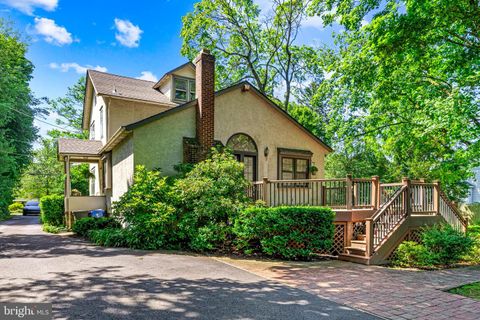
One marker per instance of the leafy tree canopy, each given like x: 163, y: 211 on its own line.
x: 17, y: 111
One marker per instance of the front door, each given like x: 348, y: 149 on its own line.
x: 250, y: 163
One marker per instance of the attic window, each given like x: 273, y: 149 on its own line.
x: 184, y: 89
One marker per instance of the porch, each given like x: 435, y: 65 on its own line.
x: 372, y: 218
x: 72, y: 151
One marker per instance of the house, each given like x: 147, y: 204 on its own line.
x: 474, y: 188
x: 178, y: 119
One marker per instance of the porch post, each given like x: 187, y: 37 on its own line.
x: 349, y: 191
x: 436, y: 196
x: 408, y: 202
x: 101, y: 183
x: 265, y: 191
x: 68, y: 193
x: 375, y: 196
x: 369, y: 237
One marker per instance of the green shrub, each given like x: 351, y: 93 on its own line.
x: 145, y: 210
x: 52, y: 210
x: 110, y: 237
x: 445, y: 244
x: 412, y: 254
x: 15, y: 207
x: 475, y: 210
x: 286, y: 232
x: 474, y: 230
x: 52, y: 229
x: 84, y: 225
x: 209, y: 199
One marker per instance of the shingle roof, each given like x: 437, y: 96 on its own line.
x: 78, y: 146
x: 125, y: 87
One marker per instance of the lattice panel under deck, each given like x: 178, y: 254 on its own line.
x: 338, y: 241
x: 414, y: 235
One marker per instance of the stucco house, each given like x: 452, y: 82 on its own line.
x: 178, y: 119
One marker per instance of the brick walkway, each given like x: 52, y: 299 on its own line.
x: 389, y: 293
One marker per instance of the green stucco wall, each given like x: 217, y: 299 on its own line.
x: 159, y: 144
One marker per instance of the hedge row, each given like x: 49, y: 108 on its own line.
x: 52, y: 210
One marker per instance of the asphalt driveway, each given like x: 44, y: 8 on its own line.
x: 88, y: 282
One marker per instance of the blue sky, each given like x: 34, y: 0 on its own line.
x: 131, y: 38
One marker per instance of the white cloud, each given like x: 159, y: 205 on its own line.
x: 148, y: 75
x: 66, y: 66
x: 29, y: 6
x: 127, y: 34
x: 313, y: 22
x: 51, y: 32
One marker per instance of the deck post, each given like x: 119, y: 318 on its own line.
x: 349, y: 191
x: 406, y: 182
x: 436, y: 197
x: 369, y: 237
x: 375, y: 196
x: 68, y: 193
x: 265, y: 190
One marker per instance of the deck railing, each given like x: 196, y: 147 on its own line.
x: 340, y: 193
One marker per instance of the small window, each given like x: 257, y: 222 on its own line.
x: 101, y: 122
x: 92, y: 131
x: 184, y: 89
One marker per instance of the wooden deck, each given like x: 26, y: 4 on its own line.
x: 372, y: 218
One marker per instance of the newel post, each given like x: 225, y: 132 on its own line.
x: 375, y: 196
x: 436, y: 196
x: 369, y: 236
x: 266, y: 194
x: 349, y: 194
x: 408, y: 202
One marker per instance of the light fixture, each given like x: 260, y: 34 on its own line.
x: 266, y: 151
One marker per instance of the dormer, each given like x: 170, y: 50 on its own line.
x: 178, y: 84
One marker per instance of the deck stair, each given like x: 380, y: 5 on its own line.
x: 404, y: 207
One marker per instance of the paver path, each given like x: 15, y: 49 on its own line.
x: 389, y: 293
x: 88, y: 282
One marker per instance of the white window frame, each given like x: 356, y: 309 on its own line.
x: 190, y: 94
x: 92, y: 130
x: 101, y: 122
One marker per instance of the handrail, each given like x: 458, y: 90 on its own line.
x: 444, y: 200
x: 389, y: 217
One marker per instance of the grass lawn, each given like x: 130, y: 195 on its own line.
x: 471, y: 290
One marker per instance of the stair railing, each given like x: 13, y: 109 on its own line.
x: 387, y: 218
x: 450, y: 212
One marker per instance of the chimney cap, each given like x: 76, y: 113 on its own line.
x: 205, y: 51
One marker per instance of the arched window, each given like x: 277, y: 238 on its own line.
x: 245, y: 150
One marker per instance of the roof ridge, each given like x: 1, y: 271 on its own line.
x: 120, y: 76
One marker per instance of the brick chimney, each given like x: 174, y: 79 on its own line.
x: 205, y: 91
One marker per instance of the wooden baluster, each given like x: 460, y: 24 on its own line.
x: 369, y: 237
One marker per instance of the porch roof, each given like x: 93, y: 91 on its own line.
x: 79, y: 149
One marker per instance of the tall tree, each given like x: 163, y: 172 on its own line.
x: 408, y: 82
x: 249, y: 44
x: 17, y: 132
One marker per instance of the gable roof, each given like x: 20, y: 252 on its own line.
x: 159, y: 82
x: 125, y: 87
x: 223, y: 91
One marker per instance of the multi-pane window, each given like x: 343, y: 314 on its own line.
x: 101, y: 122
x: 184, y: 89
x: 294, y: 168
x: 92, y: 131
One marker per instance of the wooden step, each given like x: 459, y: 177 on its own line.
x: 361, y: 237
x: 356, y: 251
x: 353, y: 258
x: 360, y: 244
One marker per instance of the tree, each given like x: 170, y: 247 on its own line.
x: 409, y: 82
x: 17, y: 132
x: 249, y: 45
